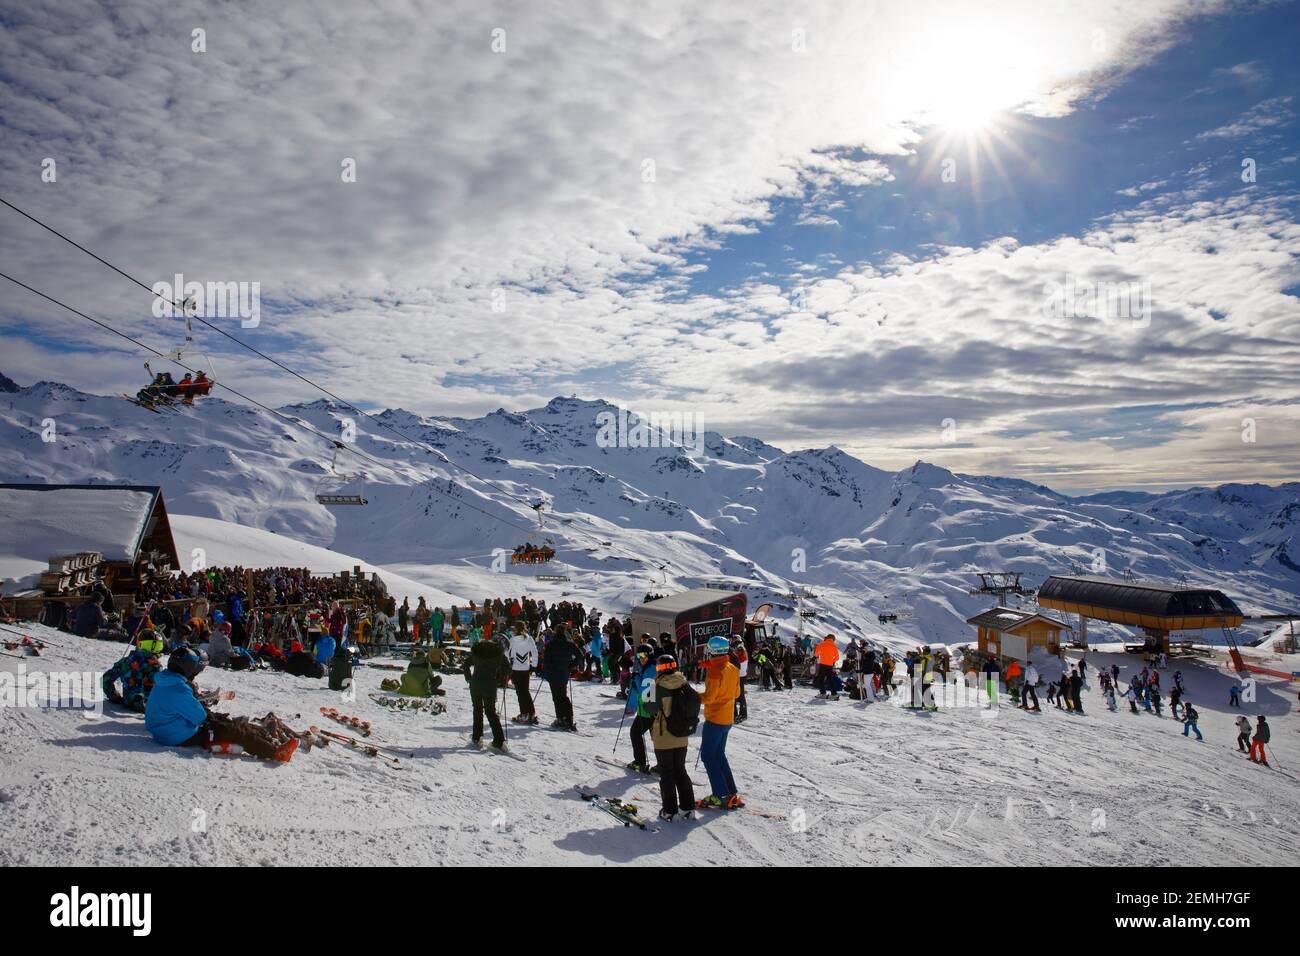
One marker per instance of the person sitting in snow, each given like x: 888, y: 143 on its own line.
x: 176, y: 717
x: 136, y: 671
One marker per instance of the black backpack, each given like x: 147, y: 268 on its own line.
x: 684, y: 716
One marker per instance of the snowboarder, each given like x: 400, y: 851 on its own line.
x: 1262, y: 736
x: 1190, y: 717
x: 827, y: 657
x: 670, y: 690
x: 641, y: 702
x: 1243, y: 733
x: 721, y: 688
x: 484, y: 669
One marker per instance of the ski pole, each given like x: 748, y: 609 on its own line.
x: 620, y: 730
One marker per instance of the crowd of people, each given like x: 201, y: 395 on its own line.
x: 287, y: 619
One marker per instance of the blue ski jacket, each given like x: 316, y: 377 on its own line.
x: 173, y: 714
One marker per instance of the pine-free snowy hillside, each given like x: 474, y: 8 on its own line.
x: 852, y: 784
x: 743, y: 512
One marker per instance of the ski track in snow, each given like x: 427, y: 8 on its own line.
x: 858, y: 784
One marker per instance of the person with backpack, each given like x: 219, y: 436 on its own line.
x: 721, y: 688
x: 676, y: 714
x: 1190, y: 717
x: 1243, y: 733
x: 484, y: 670
x: 641, y: 701
x: 1262, y: 736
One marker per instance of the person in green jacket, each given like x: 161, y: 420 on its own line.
x: 484, y: 669
x: 419, y: 679
x: 435, y: 625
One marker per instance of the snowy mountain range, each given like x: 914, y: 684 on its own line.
x: 626, y: 520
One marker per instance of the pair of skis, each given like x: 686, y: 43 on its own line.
x: 356, y: 723
x: 628, y: 814
x: 370, y: 749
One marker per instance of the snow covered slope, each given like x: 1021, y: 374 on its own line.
x: 855, y: 784
x: 741, y: 513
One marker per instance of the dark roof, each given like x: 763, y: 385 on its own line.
x: 43, y: 486
x: 1140, y: 597
x: 1005, y: 618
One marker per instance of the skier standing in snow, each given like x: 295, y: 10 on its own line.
x: 523, y: 658
x: 1243, y: 733
x: 1262, y: 736
x: 721, y: 688
x: 1076, y: 689
x: 991, y: 680
x: 561, y: 655
x: 641, y: 702
x: 1031, y: 681
x: 484, y: 667
x: 675, y: 789
x: 827, y: 656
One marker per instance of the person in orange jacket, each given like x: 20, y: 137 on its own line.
x: 1012, y: 675
x: 721, y: 688
x: 828, y: 655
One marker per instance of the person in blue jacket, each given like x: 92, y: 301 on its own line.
x: 325, y: 649
x: 177, y: 718
x: 173, y: 713
x: 641, y: 701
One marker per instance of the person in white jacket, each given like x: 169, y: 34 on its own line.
x: 1031, y: 681
x: 523, y: 660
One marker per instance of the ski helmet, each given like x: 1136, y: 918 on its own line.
x: 149, y: 641
x: 218, y: 617
x: 647, y: 649
x: 666, y: 662
x: 719, y: 646
x: 185, y: 662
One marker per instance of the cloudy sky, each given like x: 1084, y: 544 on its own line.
x: 1053, y: 240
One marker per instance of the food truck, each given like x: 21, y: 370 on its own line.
x: 691, y: 617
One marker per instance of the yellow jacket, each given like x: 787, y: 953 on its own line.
x: 721, y: 688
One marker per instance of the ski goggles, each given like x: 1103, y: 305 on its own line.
x: 151, y: 645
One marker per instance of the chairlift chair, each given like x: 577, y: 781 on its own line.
x: 329, y: 490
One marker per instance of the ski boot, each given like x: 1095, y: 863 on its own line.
x: 636, y: 767
x: 667, y: 816
x: 734, y: 802
x: 710, y: 802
